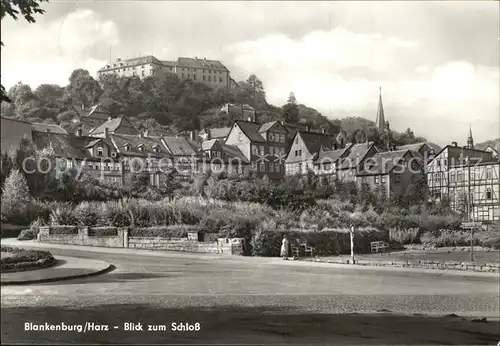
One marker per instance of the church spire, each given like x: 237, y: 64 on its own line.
x: 470, y: 140
x: 380, y: 122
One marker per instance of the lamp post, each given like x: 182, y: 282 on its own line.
x: 352, y: 243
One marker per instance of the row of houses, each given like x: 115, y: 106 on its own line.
x: 112, y: 147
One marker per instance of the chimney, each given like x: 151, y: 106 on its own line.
x: 193, y: 135
x: 209, y: 135
x: 323, y: 130
x: 83, y: 107
x: 342, y: 143
x: 106, y: 132
x: 109, y: 118
x: 307, y: 128
x: 250, y: 119
x: 335, y: 146
x: 141, y: 135
x: 455, y: 144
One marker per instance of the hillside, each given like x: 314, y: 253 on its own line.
x: 163, y: 101
x: 494, y: 143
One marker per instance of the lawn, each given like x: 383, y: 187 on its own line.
x: 455, y: 256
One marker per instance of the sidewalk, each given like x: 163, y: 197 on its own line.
x: 65, y: 268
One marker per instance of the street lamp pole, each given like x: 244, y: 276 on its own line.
x: 352, y: 243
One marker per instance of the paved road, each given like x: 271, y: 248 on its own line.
x: 255, y: 300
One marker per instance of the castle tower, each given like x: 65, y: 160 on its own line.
x: 470, y: 140
x: 380, y: 121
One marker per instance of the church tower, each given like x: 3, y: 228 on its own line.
x: 470, y: 140
x: 380, y: 121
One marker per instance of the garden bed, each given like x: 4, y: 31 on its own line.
x: 16, y: 259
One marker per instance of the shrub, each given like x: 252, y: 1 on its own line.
x: 87, y: 214
x: 63, y: 230
x: 32, y: 232
x: 63, y: 215
x: 16, y: 198
x: 11, y: 231
x: 173, y: 231
x: 103, y: 232
x: 459, y: 237
x: 404, y: 236
x: 115, y: 213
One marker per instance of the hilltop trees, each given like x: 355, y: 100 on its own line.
x: 290, y: 110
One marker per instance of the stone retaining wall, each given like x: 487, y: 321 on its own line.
x: 426, y: 264
x: 454, y: 248
x: 223, y: 246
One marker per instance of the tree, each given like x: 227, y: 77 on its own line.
x: 20, y: 94
x: 83, y: 90
x: 14, y: 8
x: 290, y: 110
x: 15, y: 197
x: 255, y: 88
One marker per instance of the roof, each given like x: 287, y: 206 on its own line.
x: 220, y: 132
x: 200, y: 63
x: 355, y: 153
x: 331, y: 155
x: 112, y: 125
x: 266, y: 126
x: 179, y: 146
x: 42, y: 127
x: 251, y: 130
x: 413, y: 147
x: 66, y: 145
x: 384, y: 162
x: 315, y: 141
x: 233, y: 152
x: 149, y: 59
x: 157, y: 132
x: 119, y: 140
x: 207, y: 145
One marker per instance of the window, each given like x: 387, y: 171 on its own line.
x: 255, y: 150
x: 271, y: 136
x: 156, y: 148
x: 282, y: 151
x: 194, y: 77
x: 127, y: 147
x: 326, y: 166
x: 262, y: 150
x: 203, y: 77
x: 262, y: 166
x: 452, y: 177
x: 271, y: 167
x: 100, y: 151
x: 397, y: 178
x: 220, y: 79
x: 282, y: 138
x: 209, y: 78
x: 488, y: 193
x: 277, y: 167
x: 141, y: 147
x: 254, y: 166
x: 488, y: 173
x: 383, y: 179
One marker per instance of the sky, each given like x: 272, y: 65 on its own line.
x: 436, y: 62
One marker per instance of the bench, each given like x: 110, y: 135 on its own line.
x: 296, y: 247
x: 378, y: 246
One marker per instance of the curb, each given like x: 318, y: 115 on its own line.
x: 108, y: 269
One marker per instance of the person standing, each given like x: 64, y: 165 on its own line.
x: 284, y: 248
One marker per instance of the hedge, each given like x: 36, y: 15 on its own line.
x: 63, y: 230
x: 458, y: 237
x: 173, y: 231
x: 326, y: 242
x: 103, y: 232
x: 24, y: 259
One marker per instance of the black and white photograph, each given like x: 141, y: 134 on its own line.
x: 250, y: 172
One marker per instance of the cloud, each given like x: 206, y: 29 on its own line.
x: 339, y: 72
x: 48, y: 52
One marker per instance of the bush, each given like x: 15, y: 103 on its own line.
x: 23, y: 259
x: 87, y: 214
x: 63, y: 230
x: 103, y: 232
x: 459, y: 237
x: 404, y: 236
x: 173, y: 231
x: 12, y: 231
x: 32, y: 232
x: 63, y: 215
x: 115, y: 213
